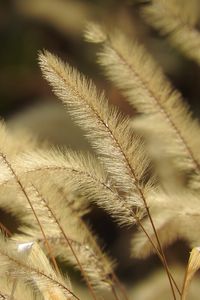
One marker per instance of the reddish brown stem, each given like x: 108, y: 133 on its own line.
x: 33, y: 210
x: 71, y: 248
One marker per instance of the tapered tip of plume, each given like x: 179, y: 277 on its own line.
x: 194, y: 260
x: 192, y: 268
x: 48, y: 62
x: 43, y: 57
x: 94, y: 33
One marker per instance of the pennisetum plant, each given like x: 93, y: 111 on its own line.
x: 50, y: 190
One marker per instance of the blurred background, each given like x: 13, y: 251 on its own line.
x: 26, y: 101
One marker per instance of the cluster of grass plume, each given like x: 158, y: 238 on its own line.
x: 50, y: 190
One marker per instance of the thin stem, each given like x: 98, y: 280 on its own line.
x: 158, y: 253
x: 184, y: 289
x: 120, y: 286
x: 152, y: 223
x: 112, y: 273
x: 5, y: 229
x: 33, y: 210
x: 70, y: 246
x: 159, y: 244
x: 114, y: 293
